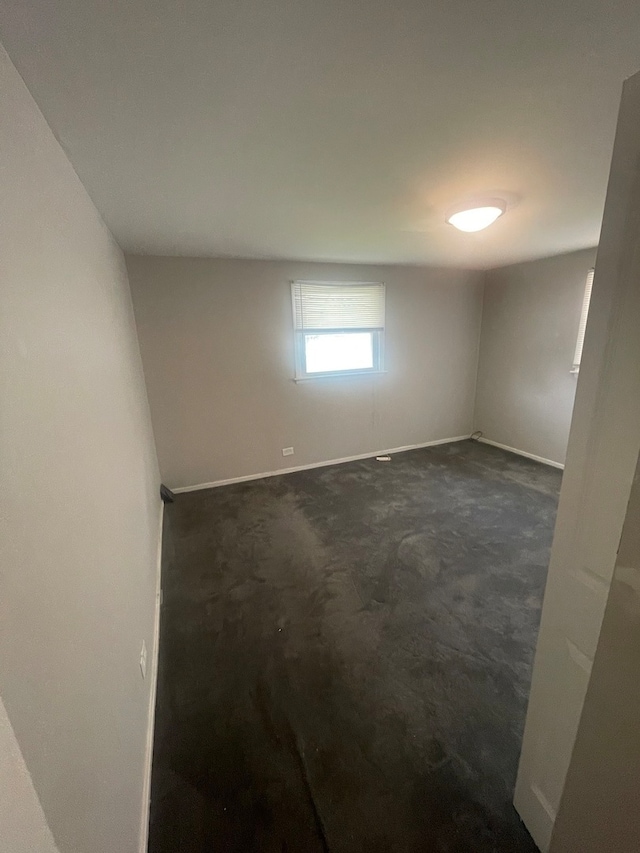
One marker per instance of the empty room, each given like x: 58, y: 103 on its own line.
x: 320, y: 427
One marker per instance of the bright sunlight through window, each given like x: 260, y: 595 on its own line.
x: 332, y: 353
x: 582, y: 328
x: 338, y: 328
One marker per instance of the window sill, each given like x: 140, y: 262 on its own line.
x: 344, y: 374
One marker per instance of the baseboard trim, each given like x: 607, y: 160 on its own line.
x: 523, y: 453
x: 146, y: 791
x: 248, y: 477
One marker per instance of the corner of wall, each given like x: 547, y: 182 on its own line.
x: 483, y: 276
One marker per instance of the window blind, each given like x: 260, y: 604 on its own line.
x: 583, y: 320
x: 324, y: 305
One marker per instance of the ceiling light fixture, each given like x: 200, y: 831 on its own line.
x: 474, y: 216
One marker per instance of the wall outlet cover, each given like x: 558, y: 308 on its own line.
x: 287, y: 451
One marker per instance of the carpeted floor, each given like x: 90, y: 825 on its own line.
x: 345, y: 656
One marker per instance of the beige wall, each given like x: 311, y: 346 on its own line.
x: 530, y: 322
x: 599, y: 808
x: 79, y: 508
x: 217, y: 346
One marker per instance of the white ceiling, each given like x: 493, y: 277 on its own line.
x: 333, y: 129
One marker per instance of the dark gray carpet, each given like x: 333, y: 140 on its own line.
x: 345, y: 656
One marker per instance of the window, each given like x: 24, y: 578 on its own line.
x: 339, y: 328
x: 577, y: 358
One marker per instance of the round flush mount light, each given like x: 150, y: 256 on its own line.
x: 476, y: 215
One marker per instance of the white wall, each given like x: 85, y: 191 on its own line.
x: 603, y: 449
x: 79, y: 507
x: 217, y: 346
x: 23, y: 826
x: 530, y: 320
x: 599, y: 807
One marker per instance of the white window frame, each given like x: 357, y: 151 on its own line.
x: 584, y: 315
x: 377, y: 333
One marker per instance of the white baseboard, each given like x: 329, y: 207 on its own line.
x: 153, y: 674
x: 371, y: 455
x: 523, y: 453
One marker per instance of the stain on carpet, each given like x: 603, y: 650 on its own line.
x: 346, y: 654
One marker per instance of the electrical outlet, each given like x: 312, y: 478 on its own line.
x: 287, y: 451
x: 143, y: 659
